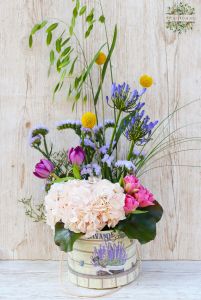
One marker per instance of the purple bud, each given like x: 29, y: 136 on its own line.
x: 43, y: 169
x: 76, y: 156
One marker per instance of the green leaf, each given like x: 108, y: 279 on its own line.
x: 49, y: 38
x: 77, y: 97
x: 156, y: 211
x: 63, y: 75
x: 72, y: 66
x: 76, y: 82
x: 106, y: 63
x: 38, y: 27
x: 71, y: 30
x: 64, y: 62
x: 52, y: 57
x: 87, y: 33
x: 90, y: 16
x: 58, y: 44
x: 65, y: 52
x: 56, y: 88
x: 142, y: 226
x: 30, y: 41
x: 102, y: 19
x: 82, y: 10
x: 92, y: 63
x: 64, y: 238
x: 138, y: 212
x: 76, y: 172
x: 35, y: 28
x: 52, y: 27
x: 75, y: 12
x: 63, y: 179
x: 77, y: 4
x: 85, y: 99
x: 43, y: 24
x: 65, y: 42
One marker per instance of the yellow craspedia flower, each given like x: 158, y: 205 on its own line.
x: 146, y: 81
x: 89, y: 120
x: 101, y: 59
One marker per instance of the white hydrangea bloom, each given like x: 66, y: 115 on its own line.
x: 85, y: 207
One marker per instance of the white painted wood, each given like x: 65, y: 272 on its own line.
x: 144, y: 45
x: 26, y: 280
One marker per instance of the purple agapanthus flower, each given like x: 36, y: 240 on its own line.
x: 123, y: 98
x: 140, y: 128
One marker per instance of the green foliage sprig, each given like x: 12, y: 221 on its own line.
x: 64, y: 57
x: 35, y: 212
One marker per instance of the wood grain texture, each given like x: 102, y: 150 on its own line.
x: 26, y: 280
x: 144, y: 46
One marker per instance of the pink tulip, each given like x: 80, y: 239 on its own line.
x: 130, y: 204
x: 43, y: 169
x: 131, y: 184
x: 144, y: 197
x: 76, y: 155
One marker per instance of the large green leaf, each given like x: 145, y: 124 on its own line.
x: 142, y: 226
x: 64, y: 238
x: 156, y: 211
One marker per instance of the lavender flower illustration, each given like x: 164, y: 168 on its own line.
x: 109, y: 258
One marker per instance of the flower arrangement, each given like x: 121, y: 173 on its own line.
x: 93, y: 189
x: 90, y: 187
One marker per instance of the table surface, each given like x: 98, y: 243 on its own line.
x: 159, y: 280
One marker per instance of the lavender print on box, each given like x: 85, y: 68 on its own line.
x: 109, y: 258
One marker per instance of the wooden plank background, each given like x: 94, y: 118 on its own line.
x: 144, y: 45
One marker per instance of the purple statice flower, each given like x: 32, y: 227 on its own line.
x: 89, y: 143
x: 108, y: 160
x: 123, y: 98
x: 91, y: 170
x: 66, y: 124
x: 127, y: 164
x: 109, y: 123
x: 104, y: 149
x: 36, y: 140
x: 39, y: 130
x: 97, y: 129
x: 109, y: 254
x: 85, y: 130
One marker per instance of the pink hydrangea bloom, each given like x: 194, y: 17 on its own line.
x: 144, y: 197
x: 131, y: 184
x: 130, y: 204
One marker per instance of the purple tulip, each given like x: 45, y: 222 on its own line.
x: 43, y: 169
x: 76, y: 155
